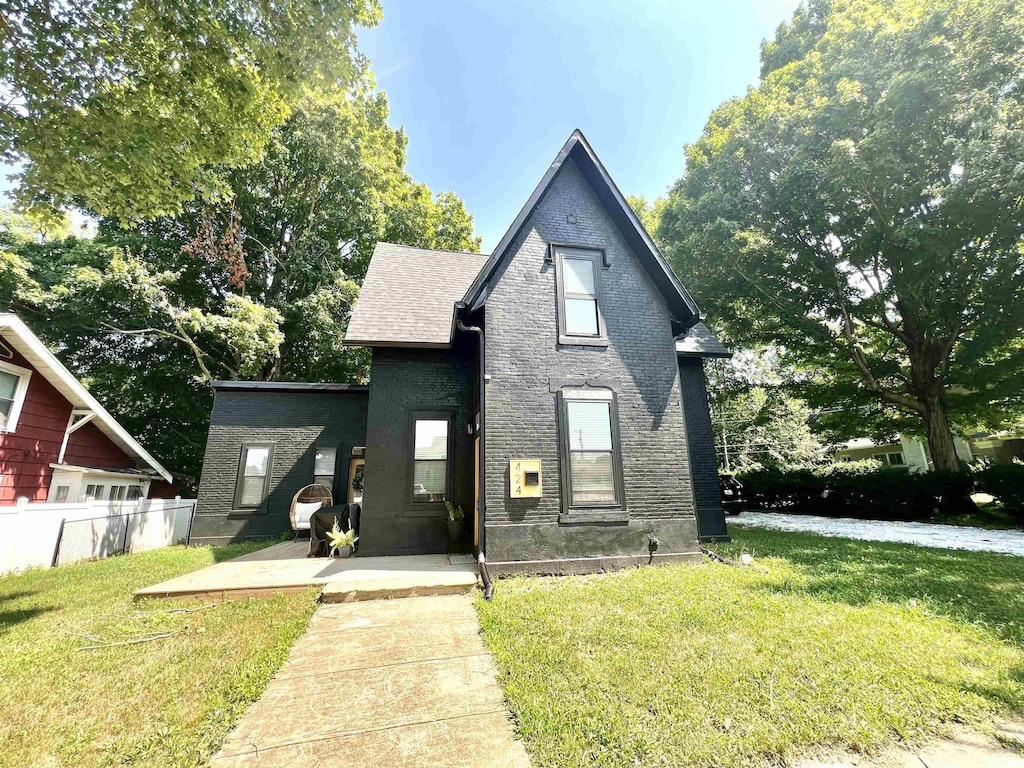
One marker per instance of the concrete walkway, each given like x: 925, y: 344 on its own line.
x: 396, y: 683
x: 922, y: 534
x: 285, y: 568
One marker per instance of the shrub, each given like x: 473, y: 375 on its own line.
x: 1006, y: 483
x: 854, y: 489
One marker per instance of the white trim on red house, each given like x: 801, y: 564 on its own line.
x: 24, y: 375
x: 16, y: 333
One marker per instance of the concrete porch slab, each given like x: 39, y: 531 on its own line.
x: 285, y: 568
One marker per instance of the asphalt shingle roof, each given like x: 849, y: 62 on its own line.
x: 700, y: 342
x: 409, y: 295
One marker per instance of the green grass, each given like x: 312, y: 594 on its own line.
x: 164, y: 703
x: 823, y: 643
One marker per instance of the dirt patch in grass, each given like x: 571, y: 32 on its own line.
x: 169, y: 702
x: 823, y: 643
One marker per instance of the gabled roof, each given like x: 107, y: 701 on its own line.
x: 408, y: 297
x: 17, y: 335
x: 698, y: 341
x: 680, y: 303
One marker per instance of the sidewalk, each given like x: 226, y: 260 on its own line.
x: 398, y: 683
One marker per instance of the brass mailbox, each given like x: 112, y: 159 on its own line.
x: 524, y: 479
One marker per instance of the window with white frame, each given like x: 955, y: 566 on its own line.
x: 579, y: 286
x: 13, y: 388
x: 253, y: 476
x: 430, y: 458
x: 94, y: 492
x: 62, y: 494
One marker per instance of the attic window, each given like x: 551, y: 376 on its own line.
x: 578, y: 276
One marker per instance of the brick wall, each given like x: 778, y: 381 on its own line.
x: 404, y: 381
x: 295, y: 422
x: 527, y: 366
x: 703, y: 462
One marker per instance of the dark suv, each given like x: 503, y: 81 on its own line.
x: 734, y: 500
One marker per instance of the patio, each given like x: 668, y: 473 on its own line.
x: 284, y: 567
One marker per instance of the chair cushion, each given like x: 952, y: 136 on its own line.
x: 303, y: 511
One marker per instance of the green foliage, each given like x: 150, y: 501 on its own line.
x: 261, y: 287
x: 825, y: 644
x: 862, y: 210
x: 455, y: 514
x: 1006, y: 483
x: 132, y: 109
x: 756, y: 422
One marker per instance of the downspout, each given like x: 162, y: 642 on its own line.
x: 482, y: 479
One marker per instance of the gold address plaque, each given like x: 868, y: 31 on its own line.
x: 524, y: 479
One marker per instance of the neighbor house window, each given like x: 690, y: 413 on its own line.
x: 253, y: 476
x: 593, y: 472
x: 134, y: 493
x: 13, y: 387
x: 62, y: 494
x: 579, y: 278
x: 324, y: 460
x: 117, y: 492
x: 94, y: 492
x: 430, y: 458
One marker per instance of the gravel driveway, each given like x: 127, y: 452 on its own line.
x: 922, y: 534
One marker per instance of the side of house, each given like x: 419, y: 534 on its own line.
x: 56, y: 442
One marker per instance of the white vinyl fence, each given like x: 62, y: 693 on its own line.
x: 44, y: 534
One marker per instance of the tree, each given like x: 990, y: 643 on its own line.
x: 130, y: 109
x: 862, y: 208
x: 260, y: 286
x: 757, y: 422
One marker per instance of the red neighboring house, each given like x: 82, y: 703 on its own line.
x: 57, y: 443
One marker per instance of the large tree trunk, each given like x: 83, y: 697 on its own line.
x: 940, y: 436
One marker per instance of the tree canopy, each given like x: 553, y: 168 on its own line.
x: 132, y: 109
x: 257, y: 286
x: 863, y: 208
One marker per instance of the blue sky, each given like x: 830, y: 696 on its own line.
x: 488, y: 91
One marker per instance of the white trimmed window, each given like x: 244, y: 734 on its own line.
x: 13, y: 388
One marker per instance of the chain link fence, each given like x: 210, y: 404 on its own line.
x: 131, y: 530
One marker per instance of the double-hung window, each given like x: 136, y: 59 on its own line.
x: 253, y: 476
x: 592, y: 472
x: 579, y: 285
x: 324, y: 461
x: 431, y: 433
x: 13, y: 387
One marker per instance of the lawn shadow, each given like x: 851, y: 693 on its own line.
x: 10, y: 619
x: 965, y: 586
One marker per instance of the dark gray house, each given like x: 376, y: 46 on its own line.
x: 554, y: 390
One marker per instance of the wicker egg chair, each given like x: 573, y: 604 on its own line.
x: 307, y: 501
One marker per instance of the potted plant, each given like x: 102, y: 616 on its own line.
x: 341, y: 542
x: 456, y: 525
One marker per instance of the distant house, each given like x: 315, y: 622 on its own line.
x: 915, y: 455
x: 57, y: 443
x: 554, y: 390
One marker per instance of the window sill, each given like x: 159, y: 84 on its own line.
x: 247, y: 512
x: 585, y: 516
x: 582, y: 341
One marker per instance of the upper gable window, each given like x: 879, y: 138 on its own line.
x: 13, y: 388
x: 579, y: 291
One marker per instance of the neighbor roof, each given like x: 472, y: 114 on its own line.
x: 408, y: 297
x: 18, y: 335
x: 698, y: 341
x: 290, y: 386
x: 682, y: 306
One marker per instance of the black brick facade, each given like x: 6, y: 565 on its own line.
x: 405, y: 381
x: 527, y: 366
x: 295, y: 422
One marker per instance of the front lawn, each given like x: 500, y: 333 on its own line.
x: 824, y: 642
x: 163, y: 703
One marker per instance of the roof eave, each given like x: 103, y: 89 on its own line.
x: 25, y: 335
